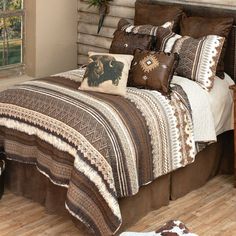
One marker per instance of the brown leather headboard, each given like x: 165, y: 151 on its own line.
x: 213, y: 12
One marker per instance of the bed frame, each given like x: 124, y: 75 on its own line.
x: 216, y: 158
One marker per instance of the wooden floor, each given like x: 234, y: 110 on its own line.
x: 208, y: 211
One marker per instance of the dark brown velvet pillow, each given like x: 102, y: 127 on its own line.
x: 153, y: 70
x: 198, y: 27
x: 128, y: 37
x: 157, y: 14
x: 124, y: 43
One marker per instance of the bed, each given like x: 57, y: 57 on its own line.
x: 46, y: 158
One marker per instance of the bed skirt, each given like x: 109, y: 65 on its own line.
x: 216, y: 158
x: 27, y: 181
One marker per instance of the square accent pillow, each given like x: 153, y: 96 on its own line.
x: 128, y: 37
x: 198, y: 58
x: 107, y: 73
x: 157, y: 14
x: 153, y: 70
x: 198, y: 27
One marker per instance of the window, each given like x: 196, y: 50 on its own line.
x: 11, y: 33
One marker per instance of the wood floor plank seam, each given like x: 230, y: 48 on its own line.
x: 208, y: 211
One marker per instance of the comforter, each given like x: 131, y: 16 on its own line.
x: 100, y: 147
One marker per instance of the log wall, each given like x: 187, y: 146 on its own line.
x: 89, y: 40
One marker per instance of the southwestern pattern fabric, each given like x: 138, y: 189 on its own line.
x: 153, y: 70
x: 107, y: 73
x: 100, y: 147
x: 197, y: 27
x: 198, y: 58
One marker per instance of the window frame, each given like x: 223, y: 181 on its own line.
x: 11, y: 13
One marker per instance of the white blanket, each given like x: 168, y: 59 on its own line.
x: 212, y: 111
x: 221, y: 102
x: 203, y: 121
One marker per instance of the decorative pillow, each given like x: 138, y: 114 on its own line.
x: 124, y: 25
x: 124, y: 43
x: 107, y: 73
x: 153, y: 70
x: 157, y: 14
x: 128, y: 37
x: 197, y: 27
x: 198, y: 58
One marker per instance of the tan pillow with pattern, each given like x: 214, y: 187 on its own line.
x: 198, y: 58
x: 107, y: 73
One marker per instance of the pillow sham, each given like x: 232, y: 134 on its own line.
x: 157, y: 14
x: 107, y: 73
x: 153, y: 70
x: 124, y: 43
x: 197, y: 27
x: 128, y: 37
x: 126, y: 26
x: 198, y: 58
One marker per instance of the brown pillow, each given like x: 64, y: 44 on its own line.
x: 198, y: 27
x: 128, y: 37
x: 157, y: 14
x: 124, y: 43
x: 153, y: 70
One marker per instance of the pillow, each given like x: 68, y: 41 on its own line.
x: 153, y: 70
x: 124, y: 43
x: 198, y: 58
x: 124, y: 25
x: 107, y: 73
x: 128, y: 37
x: 157, y: 14
x: 197, y: 27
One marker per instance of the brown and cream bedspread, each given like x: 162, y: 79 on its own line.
x: 100, y: 147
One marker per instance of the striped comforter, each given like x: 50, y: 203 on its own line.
x: 100, y: 147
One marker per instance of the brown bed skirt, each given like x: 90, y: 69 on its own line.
x: 27, y: 181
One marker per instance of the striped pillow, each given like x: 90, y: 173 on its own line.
x: 124, y: 25
x: 198, y: 58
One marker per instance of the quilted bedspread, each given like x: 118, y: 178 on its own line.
x: 100, y: 147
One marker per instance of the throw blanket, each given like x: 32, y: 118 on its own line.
x: 204, y: 129
x: 171, y: 228
x: 100, y: 147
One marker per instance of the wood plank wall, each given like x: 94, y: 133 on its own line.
x: 89, y: 40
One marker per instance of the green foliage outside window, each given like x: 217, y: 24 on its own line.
x: 10, y: 32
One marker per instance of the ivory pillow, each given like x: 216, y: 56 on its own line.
x: 198, y: 58
x: 107, y: 73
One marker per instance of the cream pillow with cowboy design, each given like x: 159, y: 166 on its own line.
x: 107, y: 73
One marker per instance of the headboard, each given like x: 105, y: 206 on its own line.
x: 211, y: 12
